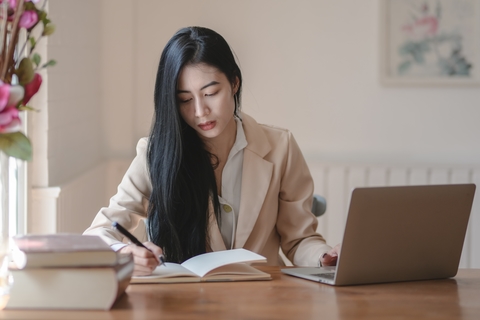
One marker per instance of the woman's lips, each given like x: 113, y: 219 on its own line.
x: 209, y: 125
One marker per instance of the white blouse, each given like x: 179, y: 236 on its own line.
x: 232, y: 188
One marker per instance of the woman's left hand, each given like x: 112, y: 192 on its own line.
x: 330, y: 258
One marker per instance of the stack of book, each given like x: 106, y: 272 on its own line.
x: 66, y: 271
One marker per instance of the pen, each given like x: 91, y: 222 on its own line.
x: 132, y: 238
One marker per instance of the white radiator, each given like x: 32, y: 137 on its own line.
x: 335, y: 182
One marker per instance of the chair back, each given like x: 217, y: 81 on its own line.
x: 319, y: 205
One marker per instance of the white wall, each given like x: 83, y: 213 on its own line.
x: 75, y: 124
x: 310, y: 66
x: 119, y: 50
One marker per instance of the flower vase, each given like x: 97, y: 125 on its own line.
x: 5, y: 279
x: 4, y: 178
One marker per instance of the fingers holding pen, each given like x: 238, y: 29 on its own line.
x: 145, y: 260
x: 141, y: 269
x: 157, y: 251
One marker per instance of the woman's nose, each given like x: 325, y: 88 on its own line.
x: 201, y: 109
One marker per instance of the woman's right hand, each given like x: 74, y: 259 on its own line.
x: 145, y: 261
x: 330, y: 258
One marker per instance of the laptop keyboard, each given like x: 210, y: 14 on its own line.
x: 329, y: 276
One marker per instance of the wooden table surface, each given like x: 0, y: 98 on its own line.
x: 287, y: 297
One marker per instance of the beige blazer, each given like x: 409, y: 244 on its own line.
x: 275, y: 208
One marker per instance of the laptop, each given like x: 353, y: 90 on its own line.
x: 399, y: 234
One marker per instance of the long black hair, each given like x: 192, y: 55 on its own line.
x: 181, y: 169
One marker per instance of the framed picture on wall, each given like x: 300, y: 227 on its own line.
x: 430, y: 42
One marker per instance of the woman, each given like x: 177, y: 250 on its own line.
x: 209, y: 177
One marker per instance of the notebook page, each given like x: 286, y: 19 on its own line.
x: 206, y: 262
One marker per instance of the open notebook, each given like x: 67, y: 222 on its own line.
x: 228, y: 265
x: 399, y: 234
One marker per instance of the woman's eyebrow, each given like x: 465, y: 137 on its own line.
x: 209, y: 84
x: 204, y: 87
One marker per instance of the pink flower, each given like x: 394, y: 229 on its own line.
x: 422, y: 28
x: 28, y: 19
x: 32, y: 87
x: 9, y: 120
x: 16, y: 95
x: 4, y: 96
x: 11, y: 3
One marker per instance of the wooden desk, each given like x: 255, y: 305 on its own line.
x: 286, y: 297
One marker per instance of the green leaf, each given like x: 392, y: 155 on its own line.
x: 16, y: 145
x: 48, y: 29
x: 42, y: 15
x: 36, y: 59
x: 50, y: 63
x: 32, y: 42
x: 25, y: 72
x: 404, y: 66
x: 30, y: 6
x: 26, y: 108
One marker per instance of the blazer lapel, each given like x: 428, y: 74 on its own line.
x: 256, y: 177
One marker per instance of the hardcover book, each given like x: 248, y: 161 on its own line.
x: 61, y: 250
x: 228, y: 265
x: 82, y: 288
